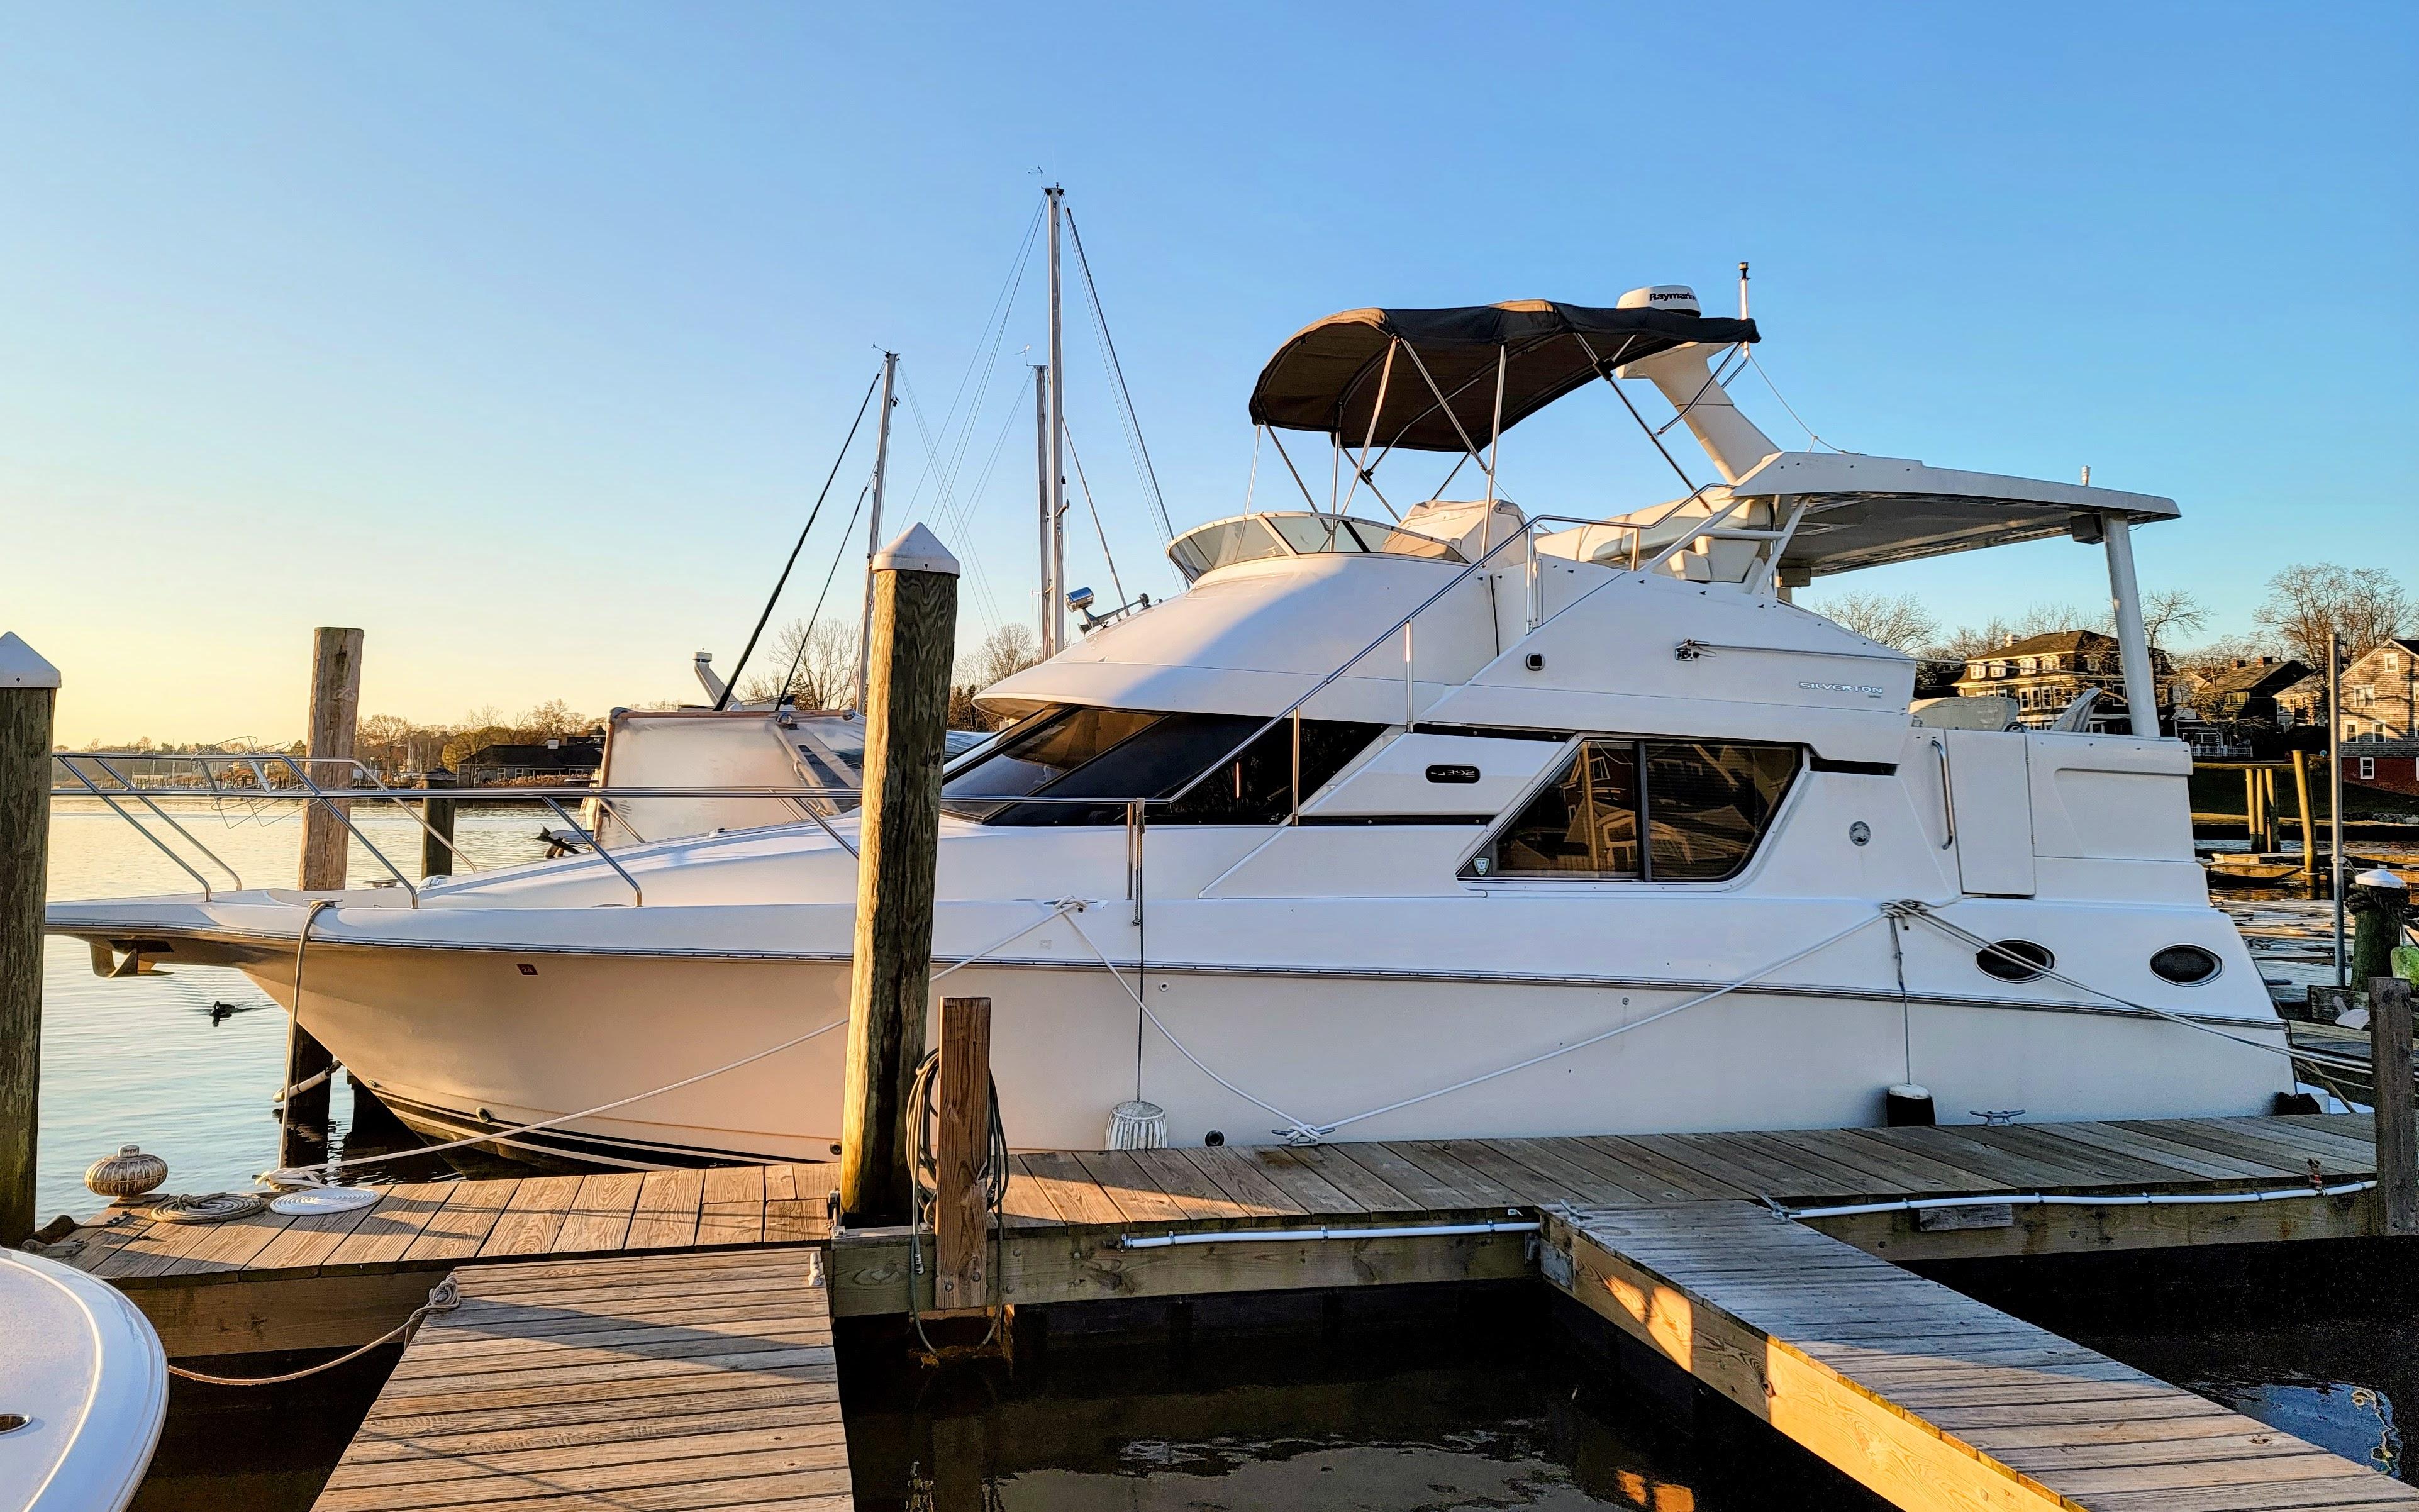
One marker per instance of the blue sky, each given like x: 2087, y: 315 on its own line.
x: 521, y: 337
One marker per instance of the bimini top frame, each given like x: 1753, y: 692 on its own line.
x: 1339, y: 376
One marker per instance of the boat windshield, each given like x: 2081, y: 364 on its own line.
x: 1251, y: 537
x: 1118, y: 755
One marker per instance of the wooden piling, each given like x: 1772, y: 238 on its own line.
x: 2397, y: 1123
x: 962, y: 1219
x: 28, y: 697
x: 2377, y: 913
x: 2309, y: 826
x: 913, y: 637
x: 2251, y: 834
x: 335, y: 712
x: 437, y: 859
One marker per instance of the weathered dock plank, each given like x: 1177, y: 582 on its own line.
x: 673, y: 1381
x: 1919, y: 1393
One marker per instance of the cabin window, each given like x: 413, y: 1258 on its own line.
x: 1118, y: 755
x: 1651, y: 810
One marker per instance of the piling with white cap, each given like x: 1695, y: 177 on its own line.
x: 29, y: 688
x: 913, y: 638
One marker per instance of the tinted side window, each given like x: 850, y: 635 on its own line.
x: 1030, y: 759
x: 1706, y: 804
x: 1118, y: 755
x: 1584, y: 822
x: 1256, y: 787
x: 1702, y: 805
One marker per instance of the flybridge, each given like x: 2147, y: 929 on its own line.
x: 1375, y: 381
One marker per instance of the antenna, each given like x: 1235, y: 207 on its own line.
x: 1742, y: 291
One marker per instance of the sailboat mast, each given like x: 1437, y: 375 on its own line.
x: 1041, y: 489
x: 1054, y: 608
x: 873, y: 525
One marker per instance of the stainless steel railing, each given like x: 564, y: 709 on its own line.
x: 277, y: 778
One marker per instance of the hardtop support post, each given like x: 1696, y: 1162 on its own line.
x: 2132, y: 640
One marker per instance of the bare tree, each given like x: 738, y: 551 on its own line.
x: 383, y: 743
x: 815, y: 664
x: 2171, y: 611
x: 2365, y: 606
x: 2167, y: 612
x: 1968, y: 642
x: 1898, y: 620
x: 552, y: 720
x: 1008, y: 650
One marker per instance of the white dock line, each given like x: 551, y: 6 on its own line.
x: 1235, y: 1236
x: 2062, y: 1199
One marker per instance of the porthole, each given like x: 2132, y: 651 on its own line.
x: 2186, y: 965
x: 2014, y: 960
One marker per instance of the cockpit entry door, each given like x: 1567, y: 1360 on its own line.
x: 1990, y: 809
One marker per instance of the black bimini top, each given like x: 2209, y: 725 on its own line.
x: 1328, y: 377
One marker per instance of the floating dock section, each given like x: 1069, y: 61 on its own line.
x: 668, y: 1382
x: 1921, y: 1394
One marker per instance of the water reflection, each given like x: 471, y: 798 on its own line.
x: 1470, y: 1399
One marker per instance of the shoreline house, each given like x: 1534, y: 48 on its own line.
x: 2381, y: 741
x: 2241, y: 709
x: 2046, y: 673
x: 570, y: 756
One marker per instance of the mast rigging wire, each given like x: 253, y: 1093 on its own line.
x: 1116, y: 370
x: 1785, y: 405
x: 1097, y: 529
x: 814, y: 618
x: 957, y: 514
x: 731, y: 685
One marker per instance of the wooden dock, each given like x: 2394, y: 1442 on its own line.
x: 1922, y: 1394
x: 659, y: 1383
x: 1722, y: 1249
x: 273, y: 1283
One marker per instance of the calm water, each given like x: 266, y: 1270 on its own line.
x: 1490, y: 1411
x: 1368, y: 1402
x: 184, y: 1062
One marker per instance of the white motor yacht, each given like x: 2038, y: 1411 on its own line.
x: 1474, y: 822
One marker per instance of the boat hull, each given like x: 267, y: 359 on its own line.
x: 465, y: 1042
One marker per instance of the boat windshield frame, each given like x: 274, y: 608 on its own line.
x: 1265, y: 533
